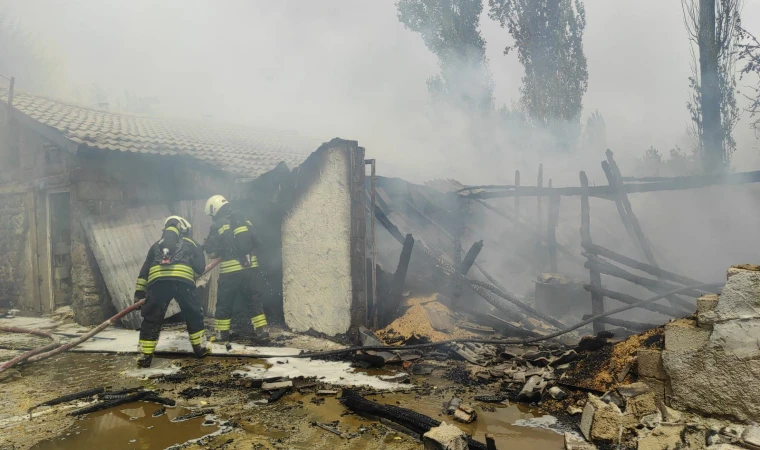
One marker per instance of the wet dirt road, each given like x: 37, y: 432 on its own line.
x: 286, y: 424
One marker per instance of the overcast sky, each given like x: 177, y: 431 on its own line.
x: 348, y: 68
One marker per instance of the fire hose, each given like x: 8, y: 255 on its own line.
x: 55, y: 348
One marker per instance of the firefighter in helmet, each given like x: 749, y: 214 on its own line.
x: 168, y: 273
x: 232, y: 238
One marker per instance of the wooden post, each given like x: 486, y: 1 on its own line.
x: 469, y: 260
x: 539, y: 206
x: 597, y: 300
x: 399, y: 279
x: 517, y: 196
x: 551, y: 229
x: 634, y: 222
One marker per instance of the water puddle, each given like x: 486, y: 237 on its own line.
x: 132, y: 426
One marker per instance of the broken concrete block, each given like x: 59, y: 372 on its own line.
x: 273, y: 386
x: 640, y: 400
x: 649, y: 363
x: 575, y: 442
x: 574, y: 410
x: 530, y: 391
x: 445, y: 437
x: 751, y: 437
x: 465, y: 414
x: 601, y: 421
x: 706, y: 305
x: 740, y: 297
x: 662, y: 438
x: 661, y: 388
x: 683, y: 334
x: 519, y: 377
x: 557, y: 393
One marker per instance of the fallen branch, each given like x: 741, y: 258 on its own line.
x: 68, y: 398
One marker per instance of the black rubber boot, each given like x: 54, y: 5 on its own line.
x: 223, y: 336
x: 201, y: 350
x: 262, y: 334
x: 143, y: 361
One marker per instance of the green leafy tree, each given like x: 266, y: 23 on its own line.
x: 548, y: 38
x: 749, y: 55
x: 713, y: 27
x: 451, y: 30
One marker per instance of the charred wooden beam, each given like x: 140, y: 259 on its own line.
x: 399, y: 280
x: 630, y: 300
x: 674, y: 184
x: 611, y: 180
x: 627, y: 324
x: 634, y: 221
x: 655, y: 286
x: 597, y: 300
x: 632, y: 263
x: 448, y: 270
x: 469, y: 259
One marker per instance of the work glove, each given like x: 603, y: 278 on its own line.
x: 139, y: 295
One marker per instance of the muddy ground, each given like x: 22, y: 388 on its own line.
x: 237, y: 421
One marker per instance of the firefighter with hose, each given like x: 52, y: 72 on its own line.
x: 232, y: 238
x: 168, y: 273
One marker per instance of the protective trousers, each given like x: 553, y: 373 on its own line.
x: 160, y: 293
x: 241, y: 285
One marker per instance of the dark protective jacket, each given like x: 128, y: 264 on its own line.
x: 188, y: 262
x: 232, y: 238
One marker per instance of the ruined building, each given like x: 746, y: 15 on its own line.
x: 84, y: 192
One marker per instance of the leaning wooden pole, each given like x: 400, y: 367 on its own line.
x: 620, y: 191
x: 597, y: 300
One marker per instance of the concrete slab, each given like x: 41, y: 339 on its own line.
x: 119, y: 340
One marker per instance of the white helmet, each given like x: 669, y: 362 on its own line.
x: 182, y: 224
x: 214, y: 204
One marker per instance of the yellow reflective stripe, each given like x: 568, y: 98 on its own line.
x: 222, y: 324
x: 171, y: 271
x: 195, y: 338
x: 178, y: 267
x: 249, y: 222
x: 190, y: 241
x: 239, y: 230
x: 259, y: 321
x: 223, y: 228
x: 172, y: 229
x: 234, y: 265
x: 147, y: 347
x: 141, y: 284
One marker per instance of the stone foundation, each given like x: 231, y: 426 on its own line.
x: 713, y: 363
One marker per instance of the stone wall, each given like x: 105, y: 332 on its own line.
x: 316, y: 244
x: 713, y: 363
x: 16, y: 280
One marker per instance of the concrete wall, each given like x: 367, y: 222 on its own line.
x: 317, y: 243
